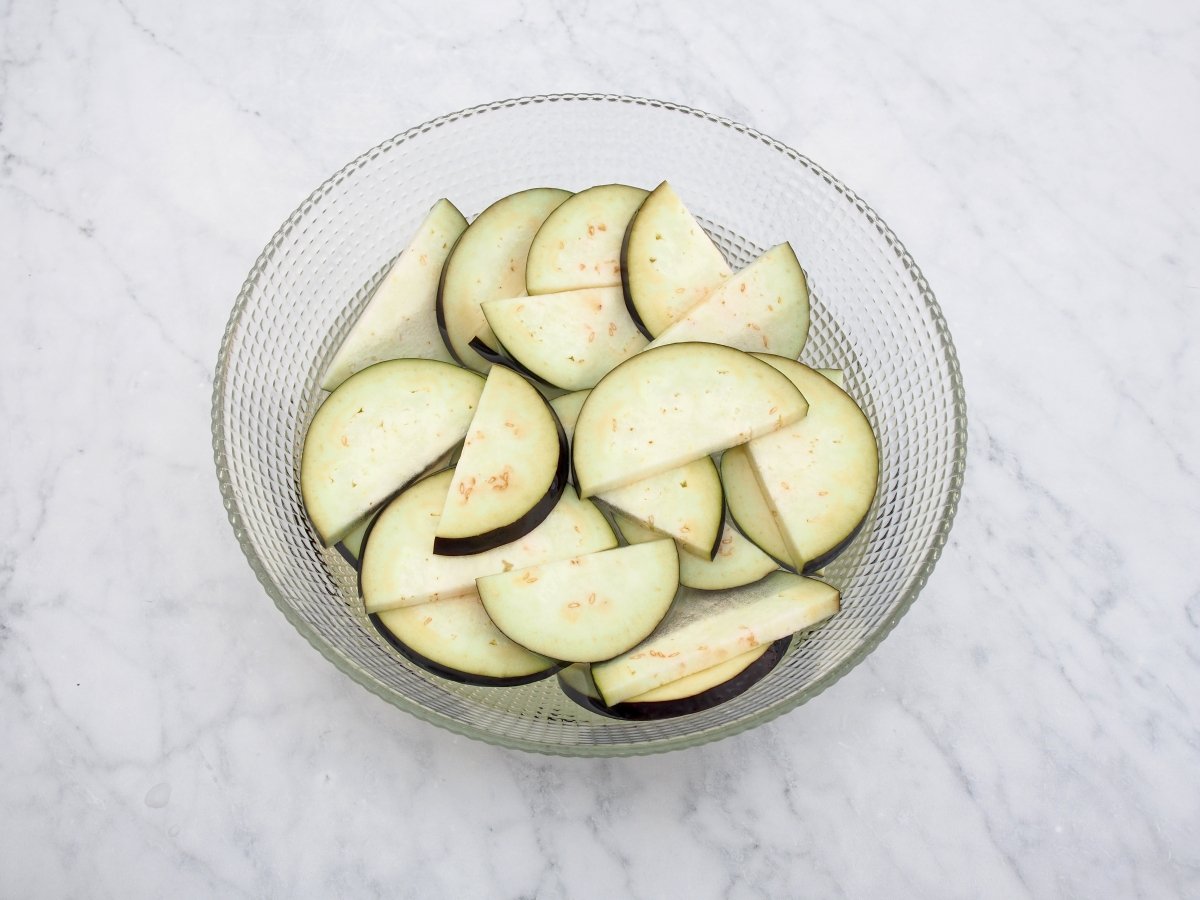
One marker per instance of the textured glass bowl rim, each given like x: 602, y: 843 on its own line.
x: 934, y: 551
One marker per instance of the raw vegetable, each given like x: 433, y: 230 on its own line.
x: 706, y: 629
x: 511, y: 472
x: 579, y: 244
x: 455, y: 638
x: 668, y: 262
x: 570, y: 340
x: 399, y: 567
x: 762, y: 308
x: 586, y: 608
x: 400, y: 320
x: 377, y: 432
x: 488, y: 263
x: 819, y: 475
x: 672, y: 405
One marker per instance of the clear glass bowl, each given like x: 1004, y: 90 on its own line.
x: 873, y: 315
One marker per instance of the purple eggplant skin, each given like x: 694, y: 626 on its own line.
x: 669, y: 709
x: 833, y: 553
x: 625, y: 292
x: 345, y: 553
x: 454, y: 674
x: 439, y: 307
x: 498, y: 358
x: 514, y: 531
x: 716, y: 547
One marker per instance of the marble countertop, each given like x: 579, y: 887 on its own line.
x: 1032, y: 728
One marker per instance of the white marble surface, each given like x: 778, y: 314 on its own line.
x: 1031, y: 729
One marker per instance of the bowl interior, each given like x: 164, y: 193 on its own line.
x: 873, y: 315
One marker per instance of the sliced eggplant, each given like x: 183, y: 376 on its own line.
x: 837, y: 376
x: 738, y: 560
x: 748, y: 507
x: 668, y: 262
x: 685, y: 503
x: 819, y: 475
x: 698, y: 682
x: 570, y: 340
x: 378, y: 431
x: 703, y: 630
x: 400, y: 320
x: 668, y: 406
x: 399, y: 567
x: 496, y: 356
x: 567, y: 406
x: 350, y: 547
x: 454, y: 638
x: 577, y: 684
x: 586, y: 608
x: 512, y: 470
x: 762, y: 308
x: 488, y: 263
x: 567, y: 409
x: 579, y: 245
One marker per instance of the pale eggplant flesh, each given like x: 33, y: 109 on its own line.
x: 458, y: 675
x: 576, y: 683
x: 688, y: 400
x: 488, y: 263
x: 523, y: 454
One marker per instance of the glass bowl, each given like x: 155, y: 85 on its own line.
x: 873, y: 315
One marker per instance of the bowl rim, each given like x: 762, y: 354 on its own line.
x: 909, y: 593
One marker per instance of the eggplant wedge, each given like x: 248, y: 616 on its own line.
x: 668, y: 262
x: 399, y: 567
x: 350, y: 547
x: 763, y: 308
x: 748, y: 508
x: 511, y: 473
x: 737, y: 561
x: 454, y: 638
x: 671, y: 405
x: 488, y: 263
x: 818, y: 476
x: 703, y: 630
x: 707, y: 679
x: 360, y: 449
x: 569, y: 340
x: 567, y: 409
x: 400, y: 319
x: 686, y: 503
x: 837, y: 376
x: 684, y: 696
x: 587, y: 608
x: 579, y: 244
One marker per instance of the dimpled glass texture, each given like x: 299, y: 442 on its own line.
x: 873, y: 315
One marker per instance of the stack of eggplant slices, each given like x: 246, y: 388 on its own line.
x: 548, y: 421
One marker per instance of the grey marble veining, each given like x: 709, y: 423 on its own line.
x: 1032, y: 728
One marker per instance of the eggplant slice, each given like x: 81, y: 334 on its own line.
x: 576, y: 683
x: 377, y: 432
x: 819, y: 475
x: 488, y: 263
x: 400, y: 319
x: 668, y: 262
x: 579, y: 244
x: 671, y: 405
x: 399, y: 567
x: 511, y: 473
